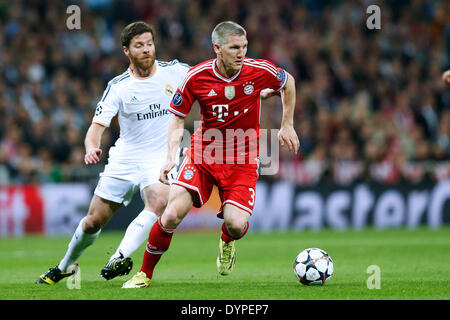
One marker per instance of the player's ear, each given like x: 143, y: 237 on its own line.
x: 217, y: 48
x: 126, y: 51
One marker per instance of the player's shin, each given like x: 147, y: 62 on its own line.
x: 158, y: 243
x: 137, y: 232
x: 80, y: 241
x: 226, y: 258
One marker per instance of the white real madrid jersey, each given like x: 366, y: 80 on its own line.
x: 141, y: 105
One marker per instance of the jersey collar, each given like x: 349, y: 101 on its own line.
x: 143, y: 78
x: 218, y: 75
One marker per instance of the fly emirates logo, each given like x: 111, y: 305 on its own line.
x: 155, y: 111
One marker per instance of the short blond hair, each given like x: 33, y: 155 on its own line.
x: 225, y: 29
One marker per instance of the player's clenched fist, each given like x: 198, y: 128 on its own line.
x: 92, y: 156
x: 446, y: 76
x: 165, y: 170
x: 287, y: 136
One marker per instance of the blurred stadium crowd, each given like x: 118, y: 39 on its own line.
x: 370, y: 103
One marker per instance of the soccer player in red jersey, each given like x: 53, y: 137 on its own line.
x: 224, y: 150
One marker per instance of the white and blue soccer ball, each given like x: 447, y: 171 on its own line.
x: 313, y: 266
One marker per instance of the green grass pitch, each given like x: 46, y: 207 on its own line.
x: 414, y: 264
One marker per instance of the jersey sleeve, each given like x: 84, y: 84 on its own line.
x: 107, y: 107
x: 182, y: 68
x: 183, y: 99
x: 275, y: 78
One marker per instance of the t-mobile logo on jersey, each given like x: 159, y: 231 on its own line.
x: 237, y: 146
x: 220, y: 113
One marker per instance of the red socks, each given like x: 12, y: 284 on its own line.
x: 227, y: 237
x: 158, y: 243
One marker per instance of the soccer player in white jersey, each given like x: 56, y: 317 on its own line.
x: 141, y: 97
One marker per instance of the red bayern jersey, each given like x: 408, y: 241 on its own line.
x: 230, y: 108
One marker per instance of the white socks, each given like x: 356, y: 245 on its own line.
x: 137, y: 232
x: 80, y: 241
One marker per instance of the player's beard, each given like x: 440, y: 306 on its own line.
x: 142, y: 63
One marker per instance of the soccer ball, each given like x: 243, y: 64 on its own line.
x: 313, y: 265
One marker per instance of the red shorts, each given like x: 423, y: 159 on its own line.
x: 236, y: 183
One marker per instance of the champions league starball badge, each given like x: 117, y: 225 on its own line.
x: 177, y: 99
x: 98, y: 110
x: 280, y: 75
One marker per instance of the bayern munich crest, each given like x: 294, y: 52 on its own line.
x: 248, y: 87
x: 188, y: 173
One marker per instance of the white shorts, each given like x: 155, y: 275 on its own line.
x: 120, y: 181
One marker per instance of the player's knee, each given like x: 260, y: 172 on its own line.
x: 236, y: 227
x: 171, y: 218
x: 92, y: 223
x: 156, y: 201
x: 157, y: 205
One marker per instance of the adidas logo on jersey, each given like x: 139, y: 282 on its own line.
x: 212, y: 93
x: 134, y: 99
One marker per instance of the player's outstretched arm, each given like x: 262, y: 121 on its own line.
x: 287, y: 135
x: 92, y: 143
x: 446, y: 76
x: 176, y: 128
